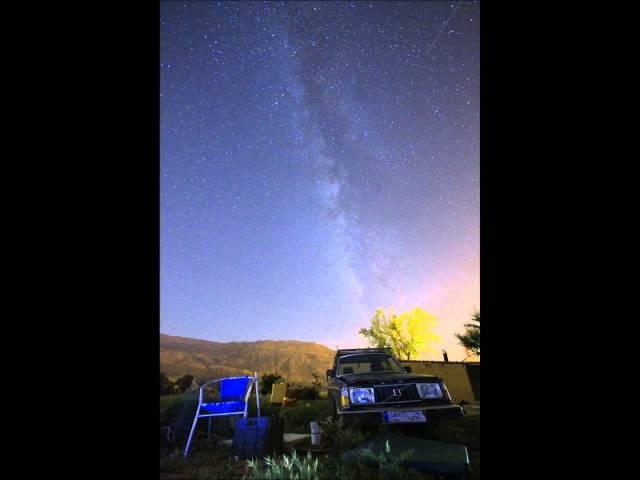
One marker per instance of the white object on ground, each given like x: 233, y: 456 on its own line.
x: 286, y: 438
x: 316, y: 433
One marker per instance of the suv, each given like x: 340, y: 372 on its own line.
x: 370, y: 385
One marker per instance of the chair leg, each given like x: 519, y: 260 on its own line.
x: 193, y: 428
x: 257, y: 394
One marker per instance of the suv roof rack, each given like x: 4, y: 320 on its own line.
x: 362, y: 350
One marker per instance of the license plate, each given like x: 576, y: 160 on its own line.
x: 404, y: 417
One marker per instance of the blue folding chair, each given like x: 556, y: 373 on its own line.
x: 234, y: 400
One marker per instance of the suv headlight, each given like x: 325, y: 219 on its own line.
x: 344, y: 397
x: 429, y: 390
x: 361, y: 396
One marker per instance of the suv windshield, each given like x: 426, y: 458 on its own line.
x: 368, y: 363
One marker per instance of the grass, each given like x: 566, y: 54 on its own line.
x: 178, y: 411
x: 298, y: 417
x: 464, y: 431
x: 206, y: 463
x: 285, y: 467
x: 217, y: 464
x: 202, y: 464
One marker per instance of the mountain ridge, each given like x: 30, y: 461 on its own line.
x: 295, y: 360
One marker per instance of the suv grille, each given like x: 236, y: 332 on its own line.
x: 385, y: 393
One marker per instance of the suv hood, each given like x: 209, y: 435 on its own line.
x: 369, y: 379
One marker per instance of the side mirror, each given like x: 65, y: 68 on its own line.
x: 407, y: 369
x: 331, y: 373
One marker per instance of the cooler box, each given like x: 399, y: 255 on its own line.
x: 257, y: 437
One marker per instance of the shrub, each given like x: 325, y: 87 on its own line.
x: 309, y: 394
x: 464, y: 431
x: 317, y: 382
x: 166, y: 387
x: 298, y: 417
x: 267, y: 381
x: 267, y: 409
x: 338, y: 438
x: 299, y: 392
x: 388, y: 465
x: 178, y: 408
x: 177, y: 411
x: 287, y: 467
x: 183, y: 383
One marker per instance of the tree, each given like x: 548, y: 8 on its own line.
x: 404, y: 335
x: 317, y: 383
x: 267, y: 381
x: 470, y: 339
x: 166, y: 387
x: 183, y: 383
x: 316, y: 380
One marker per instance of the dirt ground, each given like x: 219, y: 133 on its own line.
x: 210, y: 464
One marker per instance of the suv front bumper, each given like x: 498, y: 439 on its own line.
x: 434, y: 414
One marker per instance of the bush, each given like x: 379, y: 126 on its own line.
x: 464, y: 431
x: 317, y: 382
x: 388, y: 465
x: 266, y: 407
x: 166, y: 387
x: 177, y: 411
x: 369, y: 466
x: 287, y: 467
x: 298, y: 392
x: 267, y: 381
x: 309, y: 394
x: 183, y: 383
x: 298, y: 417
x: 339, y: 438
x: 178, y: 408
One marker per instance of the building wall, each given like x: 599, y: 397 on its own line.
x: 473, y: 371
x: 454, y: 375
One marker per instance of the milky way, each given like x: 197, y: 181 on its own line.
x: 318, y: 160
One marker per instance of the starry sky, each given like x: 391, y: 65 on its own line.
x: 318, y: 160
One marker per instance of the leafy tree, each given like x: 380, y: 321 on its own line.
x: 267, y: 381
x: 405, y: 334
x: 300, y: 392
x: 470, y: 339
x: 309, y: 393
x: 166, y: 387
x: 317, y: 383
x: 183, y: 383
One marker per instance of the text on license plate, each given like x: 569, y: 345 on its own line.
x: 404, y: 417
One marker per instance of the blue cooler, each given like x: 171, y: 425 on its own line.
x: 257, y: 437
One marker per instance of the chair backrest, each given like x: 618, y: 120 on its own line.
x: 234, y: 389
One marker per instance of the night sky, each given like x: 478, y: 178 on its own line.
x: 318, y: 160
